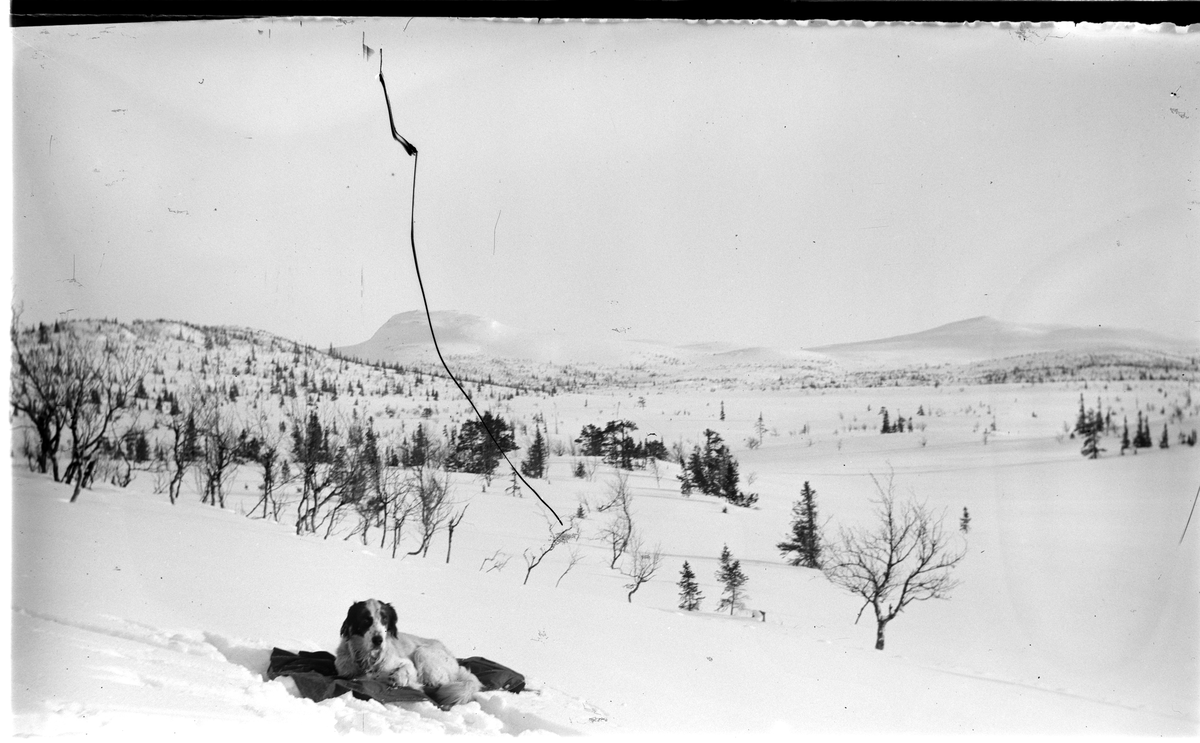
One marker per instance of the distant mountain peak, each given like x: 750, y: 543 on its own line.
x: 405, y: 338
x: 983, y: 337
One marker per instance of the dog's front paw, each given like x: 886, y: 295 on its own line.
x: 403, y: 675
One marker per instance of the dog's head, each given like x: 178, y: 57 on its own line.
x: 370, y: 620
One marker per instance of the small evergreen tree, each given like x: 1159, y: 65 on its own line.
x: 731, y: 576
x: 141, y: 448
x: 1164, y: 442
x: 714, y: 471
x: 473, y: 450
x: 1125, y: 437
x: 803, y: 548
x: 1141, y: 439
x: 1091, y: 438
x: 760, y: 431
x: 689, y: 591
x: 964, y: 523
x: 591, y: 439
x: 1081, y: 420
x: 535, y: 462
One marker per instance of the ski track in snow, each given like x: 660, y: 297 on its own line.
x: 978, y: 676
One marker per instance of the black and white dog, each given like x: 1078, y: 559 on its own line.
x: 372, y: 648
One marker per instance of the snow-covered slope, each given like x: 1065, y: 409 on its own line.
x: 1077, y: 612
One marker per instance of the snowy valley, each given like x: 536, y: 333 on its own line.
x: 1077, y: 608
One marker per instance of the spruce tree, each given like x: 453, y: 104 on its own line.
x: 689, y: 591
x: 475, y: 451
x: 1081, y: 421
x: 535, y: 462
x: 714, y: 471
x: 141, y: 448
x: 731, y: 576
x: 803, y: 548
x: 1164, y: 442
x: 964, y: 523
x: 1125, y: 437
x: 1091, y: 437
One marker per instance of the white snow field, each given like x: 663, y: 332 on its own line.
x: 1077, y: 611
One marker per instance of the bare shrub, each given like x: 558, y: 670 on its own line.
x: 557, y: 535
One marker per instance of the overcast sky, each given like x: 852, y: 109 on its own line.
x: 760, y: 184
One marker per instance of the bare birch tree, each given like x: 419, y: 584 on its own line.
x: 99, y: 382
x: 906, y: 556
x: 618, y: 532
x: 433, y: 506
x: 38, y: 387
x: 266, y: 449
x: 451, y: 525
x: 399, y: 505
x: 182, y: 446
x: 219, y: 438
x: 640, y: 565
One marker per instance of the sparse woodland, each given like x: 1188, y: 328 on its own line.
x: 377, y: 453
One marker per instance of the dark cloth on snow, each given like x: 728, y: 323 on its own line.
x: 316, y: 678
x: 493, y: 675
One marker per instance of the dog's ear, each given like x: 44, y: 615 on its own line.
x: 389, y: 617
x: 356, y: 610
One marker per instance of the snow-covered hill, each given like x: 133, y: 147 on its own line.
x: 984, y: 338
x: 405, y: 339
